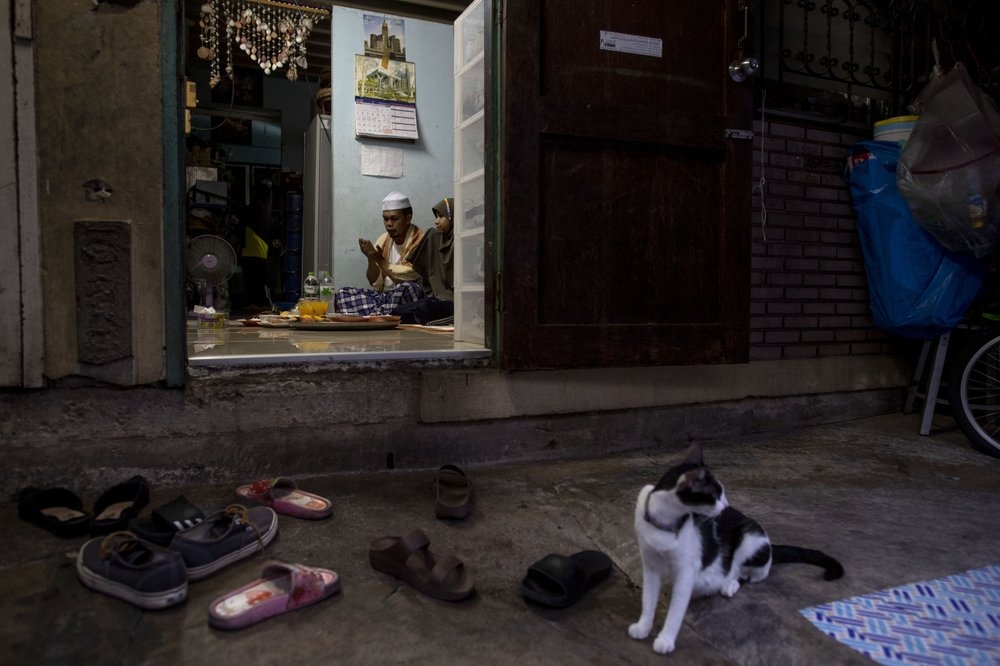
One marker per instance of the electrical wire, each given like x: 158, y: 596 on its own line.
x: 759, y: 187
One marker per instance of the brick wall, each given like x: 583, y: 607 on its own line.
x: 809, y: 294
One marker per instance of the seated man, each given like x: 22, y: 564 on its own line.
x: 433, y: 259
x: 393, y: 281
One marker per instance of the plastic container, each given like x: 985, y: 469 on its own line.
x: 310, y: 287
x: 326, y: 290
x: 896, y: 129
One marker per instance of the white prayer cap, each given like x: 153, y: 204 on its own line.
x: 395, y: 201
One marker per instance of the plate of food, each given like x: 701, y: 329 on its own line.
x: 340, y: 322
x: 276, y: 321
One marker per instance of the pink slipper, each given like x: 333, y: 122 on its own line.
x: 282, y: 495
x: 282, y: 587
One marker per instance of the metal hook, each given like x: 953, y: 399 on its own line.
x: 743, y: 67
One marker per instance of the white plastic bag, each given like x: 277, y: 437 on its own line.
x: 949, y: 170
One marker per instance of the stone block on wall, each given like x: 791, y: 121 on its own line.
x: 103, y: 262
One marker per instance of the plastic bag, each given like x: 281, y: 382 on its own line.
x: 917, y: 288
x: 949, y: 171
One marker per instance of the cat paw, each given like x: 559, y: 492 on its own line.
x: 663, y: 645
x: 729, y: 588
x: 639, y: 631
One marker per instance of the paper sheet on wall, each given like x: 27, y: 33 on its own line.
x: 381, y: 161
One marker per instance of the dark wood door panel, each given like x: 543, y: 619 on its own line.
x: 653, y: 258
x: 625, y: 209
x: 653, y: 125
x: 572, y: 68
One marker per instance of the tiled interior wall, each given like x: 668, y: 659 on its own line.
x: 809, y: 294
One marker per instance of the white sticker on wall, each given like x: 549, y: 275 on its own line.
x: 637, y: 44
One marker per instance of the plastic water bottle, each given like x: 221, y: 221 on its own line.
x: 326, y: 290
x: 310, y: 287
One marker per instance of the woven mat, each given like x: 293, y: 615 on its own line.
x: 953, y: 620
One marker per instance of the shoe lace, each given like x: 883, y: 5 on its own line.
x: 239, y: 515
x: 118, y: 541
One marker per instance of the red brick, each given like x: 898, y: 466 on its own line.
x: 800, y: 351
x: 783, y: 337
x: 817, y: 336
x: 764, y: 323
x: 780, y: 129
x: 783, y: 307
x: 800, y: 322
x: 802, y: 293
x: 834, y: 350
x: 765, y: 353
x: 823, y: 193
x: 819, y: 308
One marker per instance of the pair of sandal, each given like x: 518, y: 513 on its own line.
x: 282, y: 586
x: 61, y: 511
x: 280, y: 494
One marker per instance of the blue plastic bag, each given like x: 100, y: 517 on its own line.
x: 917, y: 287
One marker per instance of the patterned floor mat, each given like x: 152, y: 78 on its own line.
x: 953, y: 621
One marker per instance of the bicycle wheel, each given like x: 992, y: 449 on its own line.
x: 974, y: 391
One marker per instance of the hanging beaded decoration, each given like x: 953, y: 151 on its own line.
x: 272, y: 34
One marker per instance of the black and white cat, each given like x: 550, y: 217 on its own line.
x: 688, y: 534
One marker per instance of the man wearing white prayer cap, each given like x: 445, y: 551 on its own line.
x: 396, y: 201
x: 393, y: 281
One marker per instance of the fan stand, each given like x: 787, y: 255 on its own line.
x: 206, y: 292
x: 209, y: 261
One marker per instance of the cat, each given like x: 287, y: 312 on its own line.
x: 688, y: 533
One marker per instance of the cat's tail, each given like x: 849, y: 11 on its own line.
x: 832, y: 568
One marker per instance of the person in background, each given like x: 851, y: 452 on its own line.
x: 253, y: 255
x: 433, y: 260
x: 393, y: 281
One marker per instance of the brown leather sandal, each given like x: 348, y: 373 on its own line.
x: 410, y: 560
x: 454, y: 493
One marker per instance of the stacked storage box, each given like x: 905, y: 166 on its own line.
x: 291, y: 263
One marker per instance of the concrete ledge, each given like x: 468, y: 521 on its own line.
x: 477, y: 395
x: 88, y: 439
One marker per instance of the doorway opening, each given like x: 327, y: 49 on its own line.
x: 277, y: 169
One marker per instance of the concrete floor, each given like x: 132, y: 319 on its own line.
x: 893, y: 506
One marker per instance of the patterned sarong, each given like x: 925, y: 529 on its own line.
x: 360, y: 301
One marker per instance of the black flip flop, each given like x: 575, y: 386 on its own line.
x: 165, y: 521
x: 118, y: 505
x: 57, y: 510
x: 559, y: 581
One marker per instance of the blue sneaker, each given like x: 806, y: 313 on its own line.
x: 124, y: 566
x: 225, y: 537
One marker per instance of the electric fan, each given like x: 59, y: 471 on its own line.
x: 210, y: 263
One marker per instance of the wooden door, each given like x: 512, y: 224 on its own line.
x: 21, y: 339
x: 624, y: 207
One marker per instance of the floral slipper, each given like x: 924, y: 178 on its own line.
x: 282, y: 587
x: 282, y: 495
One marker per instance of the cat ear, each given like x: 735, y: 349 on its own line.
x: 697, y: 481
x: 694, y: 455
